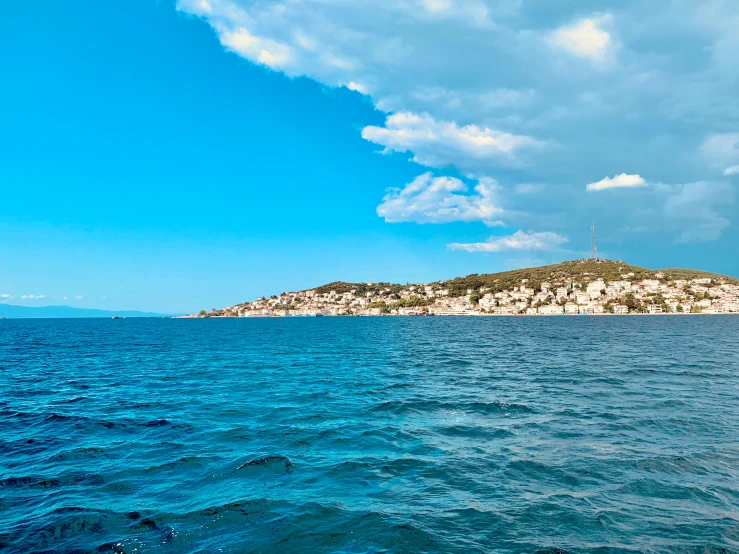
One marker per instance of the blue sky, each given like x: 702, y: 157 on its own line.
x: 173, y: 156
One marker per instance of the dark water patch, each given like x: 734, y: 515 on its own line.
x: 127, y: 425
x: 74, y: 400
x: 85, y: 479
x: 80, y: 422
x: 475, y: 432
x: 183, y: 464
x: 349, y: 467
x: 157, y: 423
x: 77, y: 454
x: 266, y: 464
x: 402, y: 467
x: 28, y: 447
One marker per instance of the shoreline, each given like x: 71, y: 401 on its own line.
x: 451, y: 315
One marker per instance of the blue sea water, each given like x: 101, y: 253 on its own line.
x: 577, y: 434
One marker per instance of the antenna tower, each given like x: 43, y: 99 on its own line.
x: 593, y: 249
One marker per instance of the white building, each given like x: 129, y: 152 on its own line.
x: 593, y: 289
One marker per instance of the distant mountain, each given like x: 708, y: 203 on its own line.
x: 64, y: 311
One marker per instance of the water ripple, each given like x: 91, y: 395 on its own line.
x: 506, y: 435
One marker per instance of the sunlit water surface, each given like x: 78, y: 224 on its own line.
x: 586, y: 434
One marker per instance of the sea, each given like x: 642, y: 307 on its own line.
x: 366, y: 435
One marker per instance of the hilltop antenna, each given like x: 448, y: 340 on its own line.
x: 593, y: 249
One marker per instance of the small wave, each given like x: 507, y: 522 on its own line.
x: 157, y: 423
x: 271, y: 463
x: 73, y: 400
x: 186, y: 461
x: 83, y: 422
x: 426, y: 406
x: 528, y: 469
x: 76, y: 454
x: 349, y: 467
x: 91, y: 479
x: 475, y: 432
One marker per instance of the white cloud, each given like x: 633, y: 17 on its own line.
x: 618, y: 181
x: 6, y: 296
x: 733, y: 170
x: 260, y: 50
x: 78, y: 297
x: 406, y: 55
x: 585, y: 38
x: 429, y: 199
x: 721, y: 149
x: 441, y: 143
x: 33, y: 296
x: 357, y: 87
x: 519, y: 240
x: 64, y: 298
x: 478, y: 85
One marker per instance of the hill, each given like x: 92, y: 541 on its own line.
x: 10, y: 311
x: 578, y: 271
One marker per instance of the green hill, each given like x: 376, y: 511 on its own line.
x: 579, y: 271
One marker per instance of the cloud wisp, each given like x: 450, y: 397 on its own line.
x: 519, y: 240
x: 618, y: 181
x: 429, y: 199
x: 586, y: 38
x: 441, y: 144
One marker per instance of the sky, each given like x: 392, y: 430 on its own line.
x: 177, y: 155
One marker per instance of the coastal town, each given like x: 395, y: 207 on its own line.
x: 583, y: 287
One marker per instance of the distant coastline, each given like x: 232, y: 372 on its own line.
x: 10, y: 311
x: 581, y: 287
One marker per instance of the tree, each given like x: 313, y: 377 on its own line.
x: 203, y: 313
x: 633, y: 304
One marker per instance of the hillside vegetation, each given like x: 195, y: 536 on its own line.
x: 579, y: 271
